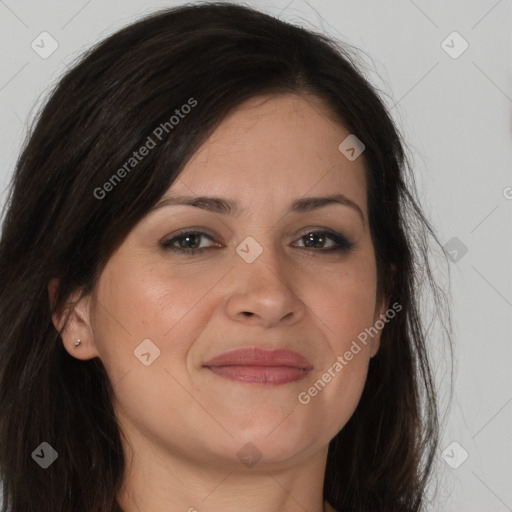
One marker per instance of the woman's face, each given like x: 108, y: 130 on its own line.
x: 268, y: 276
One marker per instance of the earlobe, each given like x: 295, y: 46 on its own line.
x: 72, y: 321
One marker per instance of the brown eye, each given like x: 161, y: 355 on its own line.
x: 187, y: 242
x: 319, y: 239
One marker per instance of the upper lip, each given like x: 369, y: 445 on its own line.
x: 259, y: 357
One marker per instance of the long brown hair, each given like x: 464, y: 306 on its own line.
x: 57, y: 225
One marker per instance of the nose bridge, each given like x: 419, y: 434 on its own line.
x: 264, y: 258
x: 263, y: 286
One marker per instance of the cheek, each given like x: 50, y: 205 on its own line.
x: 344, y: 301
x: 156, y: 303
x: 344, y: 304
x: 159, y: 304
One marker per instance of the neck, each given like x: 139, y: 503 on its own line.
x: 117, y: 507
x: 158, y: 485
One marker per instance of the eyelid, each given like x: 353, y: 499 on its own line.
x: 203, y: 232
x: 342, y: 243
x: 319, y: 229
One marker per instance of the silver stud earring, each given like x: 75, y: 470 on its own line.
x: 77, y: 342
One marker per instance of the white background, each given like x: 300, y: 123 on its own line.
x: 455, y: 114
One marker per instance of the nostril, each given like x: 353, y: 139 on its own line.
x: 247, y: 313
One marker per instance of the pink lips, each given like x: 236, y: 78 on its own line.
x: 258, y: 366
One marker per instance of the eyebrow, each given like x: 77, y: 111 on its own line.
x: 229, y: 207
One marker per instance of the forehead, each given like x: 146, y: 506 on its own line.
x: 274, y: 149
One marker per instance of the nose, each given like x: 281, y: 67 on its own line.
x: 264, y: 292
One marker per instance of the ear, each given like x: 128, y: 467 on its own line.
x: 73, y: 322
x: 380, y: 319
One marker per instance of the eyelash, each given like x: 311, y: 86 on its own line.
x: 344, y: 245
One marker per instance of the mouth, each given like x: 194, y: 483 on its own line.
x: 258, y: 366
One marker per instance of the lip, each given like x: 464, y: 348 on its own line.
x: 259, y: 366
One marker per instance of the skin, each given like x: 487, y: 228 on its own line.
x: 184, y: 424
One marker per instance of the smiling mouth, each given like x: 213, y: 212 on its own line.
x: 273, y: 375
x: 257, y: 366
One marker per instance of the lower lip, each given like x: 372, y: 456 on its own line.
x: 272, y: 375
